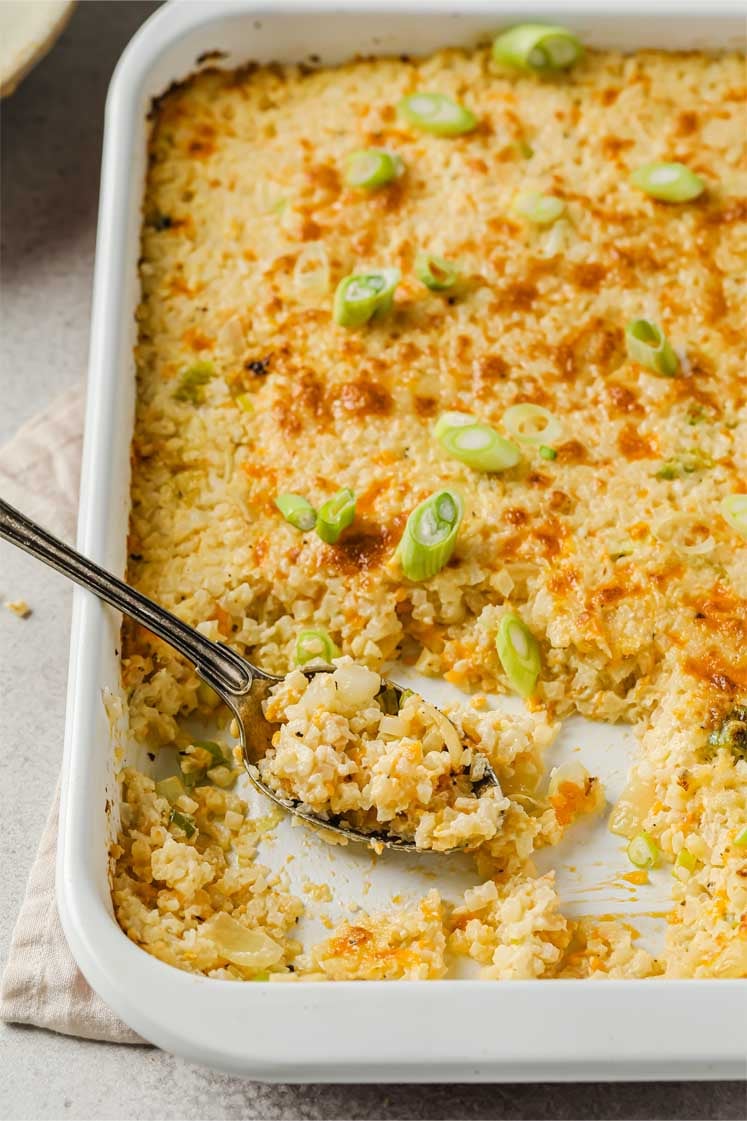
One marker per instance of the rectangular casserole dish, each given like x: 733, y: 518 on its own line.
x: 514, y: 1031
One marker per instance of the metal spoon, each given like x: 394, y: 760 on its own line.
x: 238, y: 683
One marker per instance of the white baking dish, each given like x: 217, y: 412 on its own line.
x: 447, y: 1030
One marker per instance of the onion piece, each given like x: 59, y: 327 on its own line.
x: 532, y: 424
x: 673, y: 531
x: 311, y: 270
x: 733, y: 510
x: 251, y: 949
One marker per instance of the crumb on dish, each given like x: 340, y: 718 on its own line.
x: 19, y: 607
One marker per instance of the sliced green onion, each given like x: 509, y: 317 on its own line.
x: 435, y: 273
x: 451, y: 419
x: 547, y: 453
x: 733, y: 509
x: 686, y: 860
x: 315, y: 646
x: 477, y: 445
x: 732, y: 732
x: 296, y: 510
x: 542, y: 48
x: 532, y: 424
x: 480, y: 447
x: 192, y: 383
x: 372, y: 167
x: 430, y: 535
x: 648, y: 345
x: 192, y: 775
x: 215, y: 751
x: 686, y: 464
x: 170, y: 788
x: 185, y: 822
x: 643, y: 851
x: 669, y: 182
x: 361, y: 296
x: 741, y: 838
x: 244, y: 402
x: 543, y: 210
x: 436, y: 113
x: 519, y: 653
x: 335, y: 515
x: 388, y: 699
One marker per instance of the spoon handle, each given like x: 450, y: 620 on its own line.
x: 222, y: 668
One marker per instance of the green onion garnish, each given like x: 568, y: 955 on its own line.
x: 430, y: 535
x: 215, y: 750
x: 192, y: 383
x: 669, y: 470
x: 647, y: 344
x: 372, y: 167
x: 531, y: 424
x: 335, y: 515
x: 643, y: 851
x: 732, y: 732
x: 435, y: 273
x: 686, y: 860
x: 387, y: 699
x: 185, y: 822
x: 480, y: 447
x: 734, y: 510
x: 361, y: 296
x: 315, y: 646
x: 547, y: 453
x: 686, y: 464
x: 452, y: 419
x: 669, y: 182
x: 741, y: 838
x: 296, y: 510
x: 244, y: 402
x: 543, y: 210
x: 539, y: 47
x: 436, y: 113
x: 519, y: 653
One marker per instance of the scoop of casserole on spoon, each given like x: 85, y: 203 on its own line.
x: 338, y: 747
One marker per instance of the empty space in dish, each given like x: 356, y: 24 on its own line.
x: 590, y: 863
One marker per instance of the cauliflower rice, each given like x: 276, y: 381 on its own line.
x: 341, y: 755
x: 247, y: 388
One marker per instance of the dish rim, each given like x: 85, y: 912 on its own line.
x: 513, y: 1031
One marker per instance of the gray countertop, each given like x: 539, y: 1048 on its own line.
x: 51, y: 136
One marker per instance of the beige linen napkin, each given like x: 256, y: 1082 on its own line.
x: 41, y: 984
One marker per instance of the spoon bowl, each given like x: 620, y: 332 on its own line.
x: 255, y: 738
x: 242, y: 686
